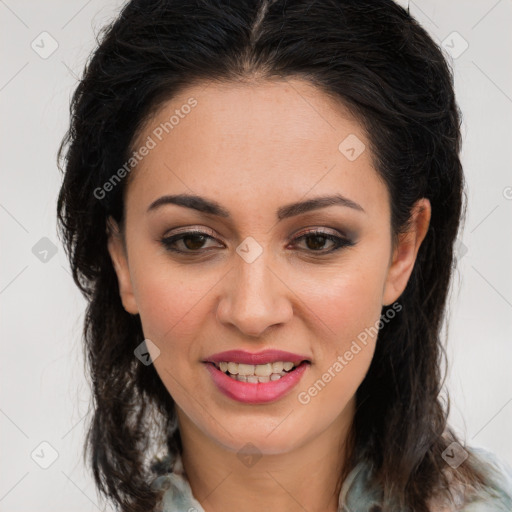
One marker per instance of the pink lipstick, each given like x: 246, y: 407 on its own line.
x: 256, y: 378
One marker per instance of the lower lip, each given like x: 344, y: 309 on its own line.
x: 259, y: 392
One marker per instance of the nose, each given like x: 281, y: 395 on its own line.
x: 255, y: 298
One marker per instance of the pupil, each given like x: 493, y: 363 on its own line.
x: 193, y: 246
x: 319, y: 241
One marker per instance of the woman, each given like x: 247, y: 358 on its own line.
x: 260, y: 204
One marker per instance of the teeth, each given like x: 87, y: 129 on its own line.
x: 256, y: 373
x: 244, y: 369
x: 278, y: 367
x: 255, y: 379
x: 259, y: 370
x: 263, y: 370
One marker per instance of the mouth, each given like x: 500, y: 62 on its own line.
x: 256, y: 378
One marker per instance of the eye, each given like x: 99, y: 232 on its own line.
x: 192, y: 241
x: 316, y: 240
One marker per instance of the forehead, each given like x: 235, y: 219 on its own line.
x: 267, y: 142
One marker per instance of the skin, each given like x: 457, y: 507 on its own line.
x: 254, y: 147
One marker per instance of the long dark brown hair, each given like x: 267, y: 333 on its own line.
x: 375, y: 59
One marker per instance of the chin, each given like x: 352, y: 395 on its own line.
x: 264, y: 436
x: 256, y: 443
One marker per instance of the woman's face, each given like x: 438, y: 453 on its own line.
x: 251, y: 281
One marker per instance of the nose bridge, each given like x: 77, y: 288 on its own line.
x: 255, y: 298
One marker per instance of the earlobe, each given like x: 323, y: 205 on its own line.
x: 117, y: 253
x: 404, y: 255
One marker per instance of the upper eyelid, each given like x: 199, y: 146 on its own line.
x: 193, y: 230
x: 313, y: 230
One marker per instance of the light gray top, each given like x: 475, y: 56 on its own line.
x: 360, y: 494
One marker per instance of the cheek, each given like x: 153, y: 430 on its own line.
x: 172, y: 306
x: 347, y: 307
x: 347, y: 301
x: 343, y: 358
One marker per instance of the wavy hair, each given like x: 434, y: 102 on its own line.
x: 376, y: 60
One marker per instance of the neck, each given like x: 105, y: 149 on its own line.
x: 304, y: 478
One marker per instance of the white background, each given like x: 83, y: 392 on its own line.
x: 44, y: 392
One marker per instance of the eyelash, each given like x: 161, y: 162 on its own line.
x: 339, y: 242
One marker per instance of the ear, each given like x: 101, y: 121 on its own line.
x: 117, y: 251
x: 404, y: 255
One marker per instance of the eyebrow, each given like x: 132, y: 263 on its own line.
x: 211, y: 207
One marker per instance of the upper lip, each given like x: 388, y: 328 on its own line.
x: 263, y: 357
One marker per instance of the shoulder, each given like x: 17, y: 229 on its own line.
x: 496, y: 494
x: 359, y: 491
